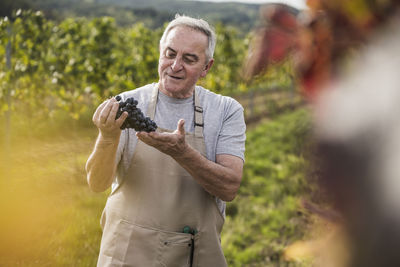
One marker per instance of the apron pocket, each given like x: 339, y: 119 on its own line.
x: 175, y: 249
x: 135, y: 245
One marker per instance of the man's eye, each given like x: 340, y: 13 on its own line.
x: 169, y: 54
x: 188, y: 60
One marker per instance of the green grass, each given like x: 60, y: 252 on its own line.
x: 267, y: 215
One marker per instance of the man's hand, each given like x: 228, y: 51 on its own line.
x: 221, y: 178
x: 104, y: 119
x: 101, y: 166
x: 172, y: 144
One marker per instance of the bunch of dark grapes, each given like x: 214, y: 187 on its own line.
x: 135, y: 119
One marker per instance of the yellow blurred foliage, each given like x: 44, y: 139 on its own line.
x: 327, y: 247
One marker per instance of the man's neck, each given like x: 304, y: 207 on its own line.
x: 179, y: 95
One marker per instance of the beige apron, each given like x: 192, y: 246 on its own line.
x: 144, y: 219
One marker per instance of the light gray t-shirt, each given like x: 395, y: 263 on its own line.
x: 224, y: 127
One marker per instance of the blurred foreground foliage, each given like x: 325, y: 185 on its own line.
x: 49, y: 216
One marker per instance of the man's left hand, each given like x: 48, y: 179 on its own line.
x: 172, y: 144
x: 220, y: 178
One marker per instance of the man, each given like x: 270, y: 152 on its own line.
x: 167, y: 204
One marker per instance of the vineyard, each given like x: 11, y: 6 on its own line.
x: 52, y: 77
x: 49, y: 70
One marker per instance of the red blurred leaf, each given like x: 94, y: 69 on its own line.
x: 274, y: 41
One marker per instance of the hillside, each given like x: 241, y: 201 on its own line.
x: 153, y: 13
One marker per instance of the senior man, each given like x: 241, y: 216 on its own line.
x: 169, y: 187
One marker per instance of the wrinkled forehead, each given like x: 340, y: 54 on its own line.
x: 185, y: 36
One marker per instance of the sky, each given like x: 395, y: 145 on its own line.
x: 295, y: 3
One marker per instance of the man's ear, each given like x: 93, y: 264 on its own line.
x: 207, y: 67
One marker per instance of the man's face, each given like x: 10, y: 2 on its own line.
x: 182, y: 61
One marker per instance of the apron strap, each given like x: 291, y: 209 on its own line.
x: 198, y: 115
x: 151, y: 110
x: 198, y: 110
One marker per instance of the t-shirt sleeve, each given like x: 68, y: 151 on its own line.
x: 232, y: 137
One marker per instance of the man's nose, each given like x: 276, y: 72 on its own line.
x: 177, y: 65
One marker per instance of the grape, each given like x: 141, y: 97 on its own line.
x: 135, y: 119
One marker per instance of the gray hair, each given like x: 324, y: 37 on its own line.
x: 196, y: 24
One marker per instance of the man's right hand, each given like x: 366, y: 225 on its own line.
x: 101, y: 166
x: 104, y: 119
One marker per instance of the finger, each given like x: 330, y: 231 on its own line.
x: 159, y: 137
x: 122, y: 118
x: 98, y: 110
x: 106, y: 111
x: 143, y: 136
x: 181, y: 127
x: 113, y: 113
